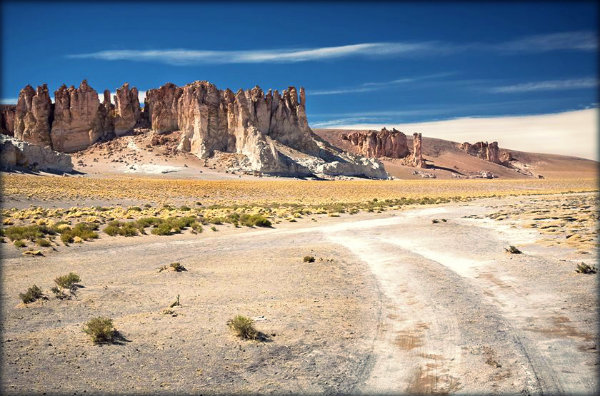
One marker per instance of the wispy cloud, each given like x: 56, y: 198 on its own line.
x: 577, y: 41
x: 375, y: 86
x: 189, y: 56
x: 8, y: 101
x: 552, y: 85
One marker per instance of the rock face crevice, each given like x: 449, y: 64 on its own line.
x: 384, y: 143
x: 7, y: 119
x: 270, y: 130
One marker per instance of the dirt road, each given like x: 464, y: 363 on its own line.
x: 398, y: 304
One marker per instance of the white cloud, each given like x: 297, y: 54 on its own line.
x: 188, y: 56
x: 8, y: 100
x: 552, y: 85
x: 579, y: 40
x: 568, y: 133
x: 374, y: 86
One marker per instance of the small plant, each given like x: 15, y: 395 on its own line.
x: 175, y: 303
x: 67, y: 281
x: 101, y: 329
x: 162, y: 229
x: 309, y: 259
x: 584, y: 268
x: 243, y: 327
x: 42, y: 242
x: 213, y: 228
x: 177, y: 267
x: 513, y: 250
x: 19, y: 243
x: 32, y: 294
x: 59, y: 293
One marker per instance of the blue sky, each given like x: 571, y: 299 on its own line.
x: 360, y: 63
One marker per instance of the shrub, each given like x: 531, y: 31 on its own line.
x: 175, y: 303
x: 101, y: 329
x: 111, y: 230
x: 513, y: 250
x: 144, y: 222
x: 31, y: 232
x: 184, y: 208
x: 213, y: 228
x: 19, y: 243
x: 197, y: 227
x: 177, y: 267
x: 309, y: 259
x: 243, y: 327
x: 67, y: 281
x: 42, y: 242
x: 254, y: 220
x: 84, y: 231
x: 162, y: 229
x: 584, y: 268
x: 32, y: 294
x: 135, y: 208
x: 58, y: 292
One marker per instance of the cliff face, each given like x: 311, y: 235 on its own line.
x: 270, y: 130
x: 489, y: 152
x: 418, y: 151
x: 32, y: 116
x: 79, y: 120
x: 379, y: 144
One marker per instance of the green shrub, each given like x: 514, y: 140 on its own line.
x: 213, y: 228
x: 32, y: 294
x: 184, y: 208
x: 243, y: 327
x: 59, y: 293
x: 197, y: 227
x: 135, y: 208
x: 43, y: 242
x: 112, y: 230
x: 19, y: 243
x: 85, y: 231
x: 67, y: 281
x: 31, y: 232
x: 309, y: 259
x: 101, y: 329
x: 144, y: 222
x: 177, y: 267
x: 162, y: 229
x: 254, y: 220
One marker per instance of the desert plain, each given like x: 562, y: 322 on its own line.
x: 412, y: 289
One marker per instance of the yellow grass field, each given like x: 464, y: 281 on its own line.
x: 265, y: 192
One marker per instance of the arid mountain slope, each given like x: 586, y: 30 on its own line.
x: 446, y: 160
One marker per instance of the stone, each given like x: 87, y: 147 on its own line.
x: 15, y: 153
x: 417, y: 151
x: 127, y: 109
x: 79, y: 118
x: 32, y: 116
x: 161, y: 107
x: 384, y: 143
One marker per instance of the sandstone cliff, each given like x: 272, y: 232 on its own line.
x: 269, y: 130
x: 32, y: 116
x: 379, y: 144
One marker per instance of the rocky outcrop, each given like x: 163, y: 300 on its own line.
x: 79, y: 119
x: 7, y: 119
x: 33, y: 116
x: 269, y: 130
x: 417, y: 151
x: 127, y: 110
x: 161, y: 106
x: 15, y: 153
x: 489, y: 152
x: 379, y: 144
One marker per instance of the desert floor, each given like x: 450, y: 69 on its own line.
x: 393, y: 303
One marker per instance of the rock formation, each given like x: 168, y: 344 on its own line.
x: 32, y: 116
x: 79, y: 120
x: 15, y: 153
x: 417, y: 151
x: 269, y: 130
x: 7, y: 119
x: 127, y: 109
x: 489, y: 152
x: 379, y: 144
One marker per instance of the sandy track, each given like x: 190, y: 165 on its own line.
x: 431, y: 308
